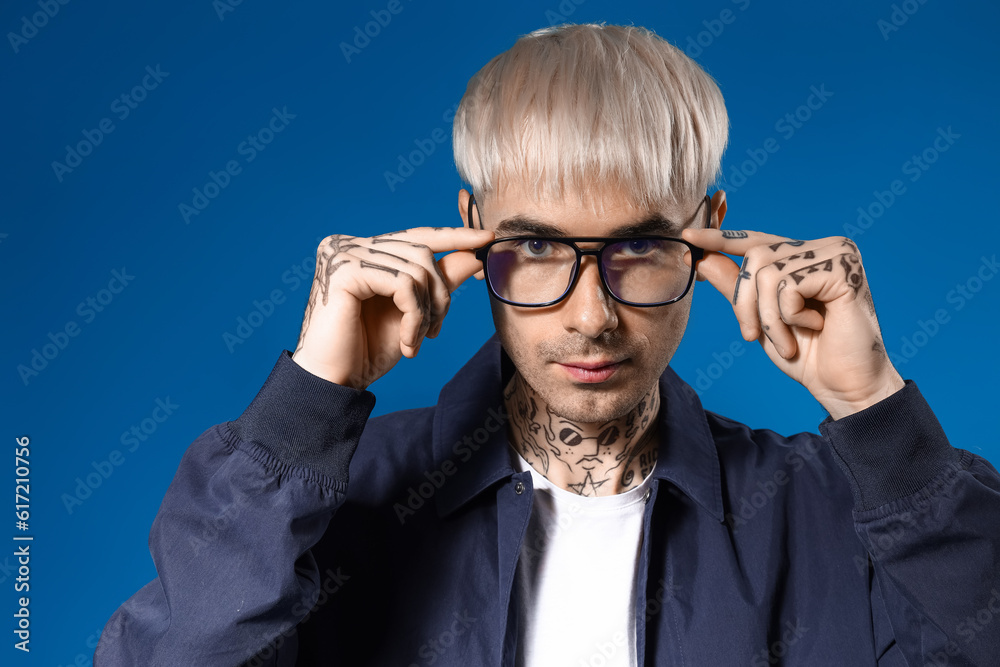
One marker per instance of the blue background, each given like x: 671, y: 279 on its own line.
x: 161, y: 337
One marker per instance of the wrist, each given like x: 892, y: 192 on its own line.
x: 322, y: 370
x: 841, y: 405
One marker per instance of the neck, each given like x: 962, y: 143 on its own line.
x: 591, y: 459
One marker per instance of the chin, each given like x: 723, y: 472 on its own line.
x: 592, y: 414
x: 591, y: 404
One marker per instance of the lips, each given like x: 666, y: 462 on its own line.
x: 591, y: 372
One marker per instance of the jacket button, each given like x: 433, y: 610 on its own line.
x: 645, y: 498
x: 519, y: 488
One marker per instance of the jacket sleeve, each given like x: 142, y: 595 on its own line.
x: 231, y: 541
x: 929, y: 517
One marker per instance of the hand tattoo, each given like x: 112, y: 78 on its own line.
x: 798, y: 275
x: 848, y: 243
x: 743, y: 274
x: 808, y: 254
x: 327, y: 264
x: 853, y: 271
x: 775, y: 246
x: 372, y: 265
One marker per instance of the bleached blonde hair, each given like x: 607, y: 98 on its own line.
x: 578, y: 108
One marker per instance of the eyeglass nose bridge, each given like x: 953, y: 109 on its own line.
x: 598, y: 253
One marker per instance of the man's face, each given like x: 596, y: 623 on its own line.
x: 590, y: 358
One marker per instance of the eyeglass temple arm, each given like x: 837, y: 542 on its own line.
x: 472, y: 200
x: 699, y: 254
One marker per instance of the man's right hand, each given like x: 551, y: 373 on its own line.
x: 374, y: 300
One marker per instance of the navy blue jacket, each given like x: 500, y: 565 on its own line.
x: 875, y: 543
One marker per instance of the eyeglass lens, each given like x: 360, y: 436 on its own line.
x: 537, y: 271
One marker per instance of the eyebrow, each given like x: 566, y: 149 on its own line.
x: 653, y: 224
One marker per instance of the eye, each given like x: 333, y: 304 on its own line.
x: 639, y: 247
x: 536, y: 248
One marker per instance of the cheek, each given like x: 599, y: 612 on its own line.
x: 501, y: 322
x: 513, y: 328
x: 663, y: 330
x: 676, y: 326
x: 677, y: 321
x: 505, y: 323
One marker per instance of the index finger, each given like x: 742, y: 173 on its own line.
x: 735, y: 242
x: 439, y: 239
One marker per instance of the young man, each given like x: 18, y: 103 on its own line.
x: 568, y: 501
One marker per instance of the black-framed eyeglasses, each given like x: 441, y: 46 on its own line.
x: 536, y: 271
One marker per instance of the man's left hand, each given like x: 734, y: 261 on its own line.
x: 809, y: 306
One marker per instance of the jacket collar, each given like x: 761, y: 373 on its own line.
x: 470, y: 429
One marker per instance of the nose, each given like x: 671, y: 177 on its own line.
x: 589, y: 309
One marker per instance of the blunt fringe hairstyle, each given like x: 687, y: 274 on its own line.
x: 575, y: 108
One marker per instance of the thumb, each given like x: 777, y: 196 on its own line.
x: 458, y: 266
x: 718, y: 270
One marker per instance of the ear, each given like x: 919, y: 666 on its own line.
x: 718, y: 208
x: 463, y: 210
x: 463, y: 206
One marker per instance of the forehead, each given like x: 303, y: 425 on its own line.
x: 600, y: 214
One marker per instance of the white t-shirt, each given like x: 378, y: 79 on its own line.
x: 577, y: 574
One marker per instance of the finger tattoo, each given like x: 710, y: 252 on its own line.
x: 385, y: 237
x: 380, y: 239
x: 373, y: 251
x: 744, y: 274
x: 339, y: 244
x: 775, y: 246
x: 808, y: 254
x: 798, y: 275
x: 423, y: 302
x: 373, y: 265
x: 326, y: 266
x: 853, y: 271
x: 733, y: 234
x: 331, y: 269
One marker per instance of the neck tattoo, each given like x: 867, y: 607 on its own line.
x: 599, y: 459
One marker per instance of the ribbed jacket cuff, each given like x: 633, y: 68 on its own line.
x: 303, y: 420
x: 891, y: 449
